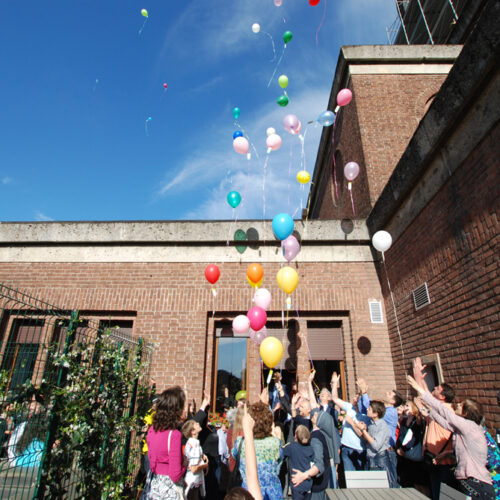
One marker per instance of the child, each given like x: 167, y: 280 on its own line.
x: 193, y: 453
x: 300, y: 455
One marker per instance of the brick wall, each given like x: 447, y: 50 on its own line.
x: 172, y: 305
x: 454, y: 246
x: 373, y: 130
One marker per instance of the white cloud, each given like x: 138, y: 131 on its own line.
x: 42, y: 217
x: 6, y: 180
x: 205, y: 176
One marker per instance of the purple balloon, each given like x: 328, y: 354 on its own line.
x: 290, y: 247
x: 260, y: 336
x: 291, y: 123
x: 351, y: 171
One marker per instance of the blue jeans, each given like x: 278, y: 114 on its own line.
x: 353, y: 459
x: 383, y: 461
x: 333, y: 480
x: 392, y: 472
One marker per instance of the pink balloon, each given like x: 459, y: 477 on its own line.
x: 240, y: 145
x: 251, y: 334
x: 344, y: 97
x: 298, y: 129
x: 278, y: 2
x: 291, y: 123
x: 241, y: 324
x: 273, y: 142
x: 262, y: 298
x: 290, y: 247
x: 351, y: 170
x: 257, y: 317
x: 260, y: 336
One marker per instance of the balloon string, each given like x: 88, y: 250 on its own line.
x: 352, y: 203
x: 277, y: 65
x: 146, y: 128
x: 334, y: 162
x: 264, y: 189
x: 274, y: 48
x: 238, y: 124
x: 396, y: 318
x: 230, y: 227
x: 140, y: 31
x: 321, y: 23
x: 289, y: 173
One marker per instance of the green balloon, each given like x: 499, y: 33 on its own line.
x: 144, y: 12
x: 240, y: 394
x: 282, y: 100
x: 236, y: 113
x: 287, y: 36
x: 283, y: 81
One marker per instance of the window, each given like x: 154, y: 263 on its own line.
x: 434, y: 373
x: 21, y: 351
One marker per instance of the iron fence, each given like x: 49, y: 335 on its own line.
x: 72, y: 396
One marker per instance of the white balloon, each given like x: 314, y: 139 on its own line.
x: 270, y: 131
x: 382, y: 241
x: 255, y: 27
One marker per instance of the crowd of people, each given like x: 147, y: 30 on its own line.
x: 299, y: 443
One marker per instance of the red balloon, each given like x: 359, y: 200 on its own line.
x: 257, y: 317
x: 313, y: 2
x: 212, y: 273
x: 165, y: 85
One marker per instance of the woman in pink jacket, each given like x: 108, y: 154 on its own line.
x: 164, y: 447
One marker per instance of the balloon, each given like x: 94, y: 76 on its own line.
x: 255, y: 273
x: 283, y: 226
x: 271, y: 351
x: 255, y: 285
x: 273, y: 142
x: 234, y: 198
x: 262, y: 298
x: 303, y: 177
x: 283, y: 81
x: 287, y: 36
x: 326, y: 118
x: 241, y: 324
x: 282, y: 100
x: 257, y: 317
x: 144, y: 12
x: 313, y: 3
x: 287, y: 279
x: 251, y: 334
x: 236, y: 113
x: 270, y: 131
x: 351, y: 171
x: 165, y: 85
x: 344, y: 97
x: 382, y: 241
x: 149, y: 119
x: 256, y: 27
x: 240, y: 145
x: 298, y: 129
x: 291, y: 123
x: 240, y: 394
x: 212, y: 273
x: 238, y: 133
x: 278, y: 3
x: 260, y: 336
x: 290, y: 247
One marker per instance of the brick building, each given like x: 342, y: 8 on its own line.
x: 429, y: 175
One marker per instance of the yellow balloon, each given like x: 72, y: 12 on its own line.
x: 287, y: 279
x: 255, y: 285
x: 271, y: 351
x: 303, y: 177
x: 144, y: 12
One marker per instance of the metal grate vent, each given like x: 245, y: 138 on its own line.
x: 376, y: 311
x: 421, y: 297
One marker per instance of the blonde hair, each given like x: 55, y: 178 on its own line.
x: 237, y: 427
x: 187, y: 428
x: 302, y: 434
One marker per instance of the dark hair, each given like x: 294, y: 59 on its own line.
x: 378, y: 407
x: 472, y: 410
x: 238, y: 494
x: 169, y: 409
x: 447, y: 392
x: 398, y: 399
x: 263, y: 417
x: 302, y: 434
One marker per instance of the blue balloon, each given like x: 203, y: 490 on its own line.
x: 283, y: 226
x: 326, y: 118
x: 234, y: 198
x: 237, y: 134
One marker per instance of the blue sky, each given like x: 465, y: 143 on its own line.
x: 78, y: 84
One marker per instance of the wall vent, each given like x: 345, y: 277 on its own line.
x: 421, y: 297
x: 376, y: 311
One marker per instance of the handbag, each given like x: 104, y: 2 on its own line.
x: 235, y: 479
x: 415, y: 453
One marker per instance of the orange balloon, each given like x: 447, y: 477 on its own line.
x: 255, y: 273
